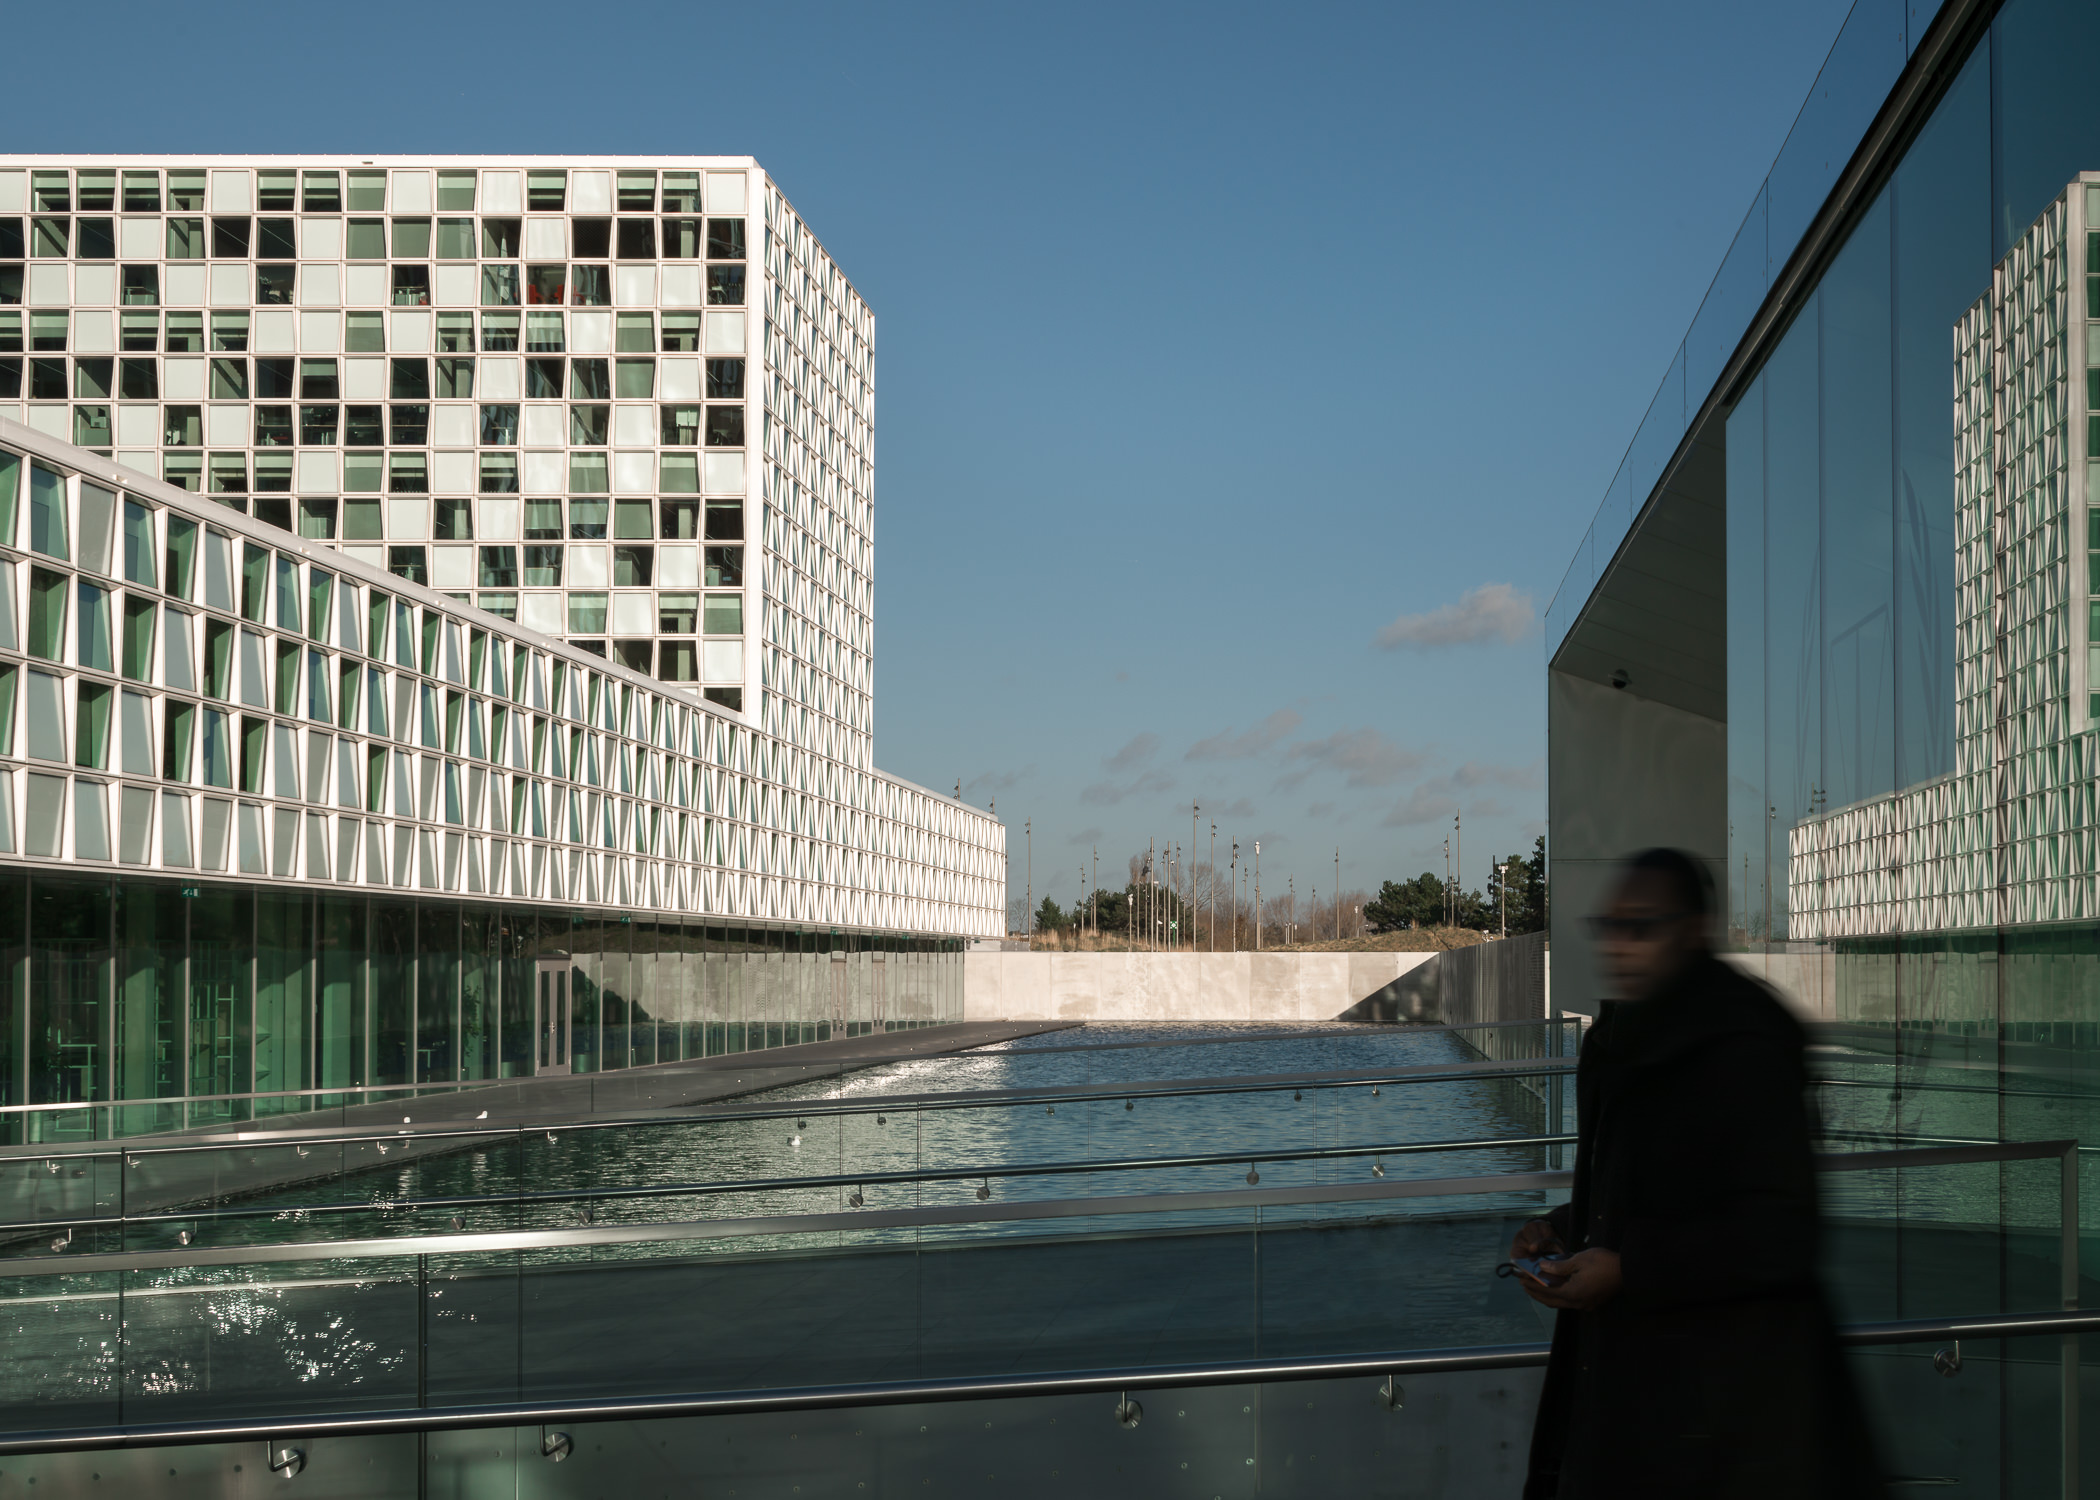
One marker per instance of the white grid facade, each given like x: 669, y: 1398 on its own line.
x: 626, y: 404
x: 540, y: 386
x: 187, y: 690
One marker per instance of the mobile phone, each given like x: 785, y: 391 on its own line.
x: 1541, y: 1270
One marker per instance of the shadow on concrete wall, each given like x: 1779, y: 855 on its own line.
x: 1414, y: 996
x: 1496, y: 981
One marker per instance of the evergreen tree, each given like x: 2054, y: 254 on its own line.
x: 1517, y: 891
x: 1535, y: 887
x: 1106, y: 912
x: 1407, y: 903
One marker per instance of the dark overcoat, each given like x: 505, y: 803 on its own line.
x: 1714, y: 1371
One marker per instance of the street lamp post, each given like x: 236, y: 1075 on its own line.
x: 1458, y: 836
x: 1231, y: 893
x: 1028, y: 907
x: 1195, y: 813
x: 1257, y: 895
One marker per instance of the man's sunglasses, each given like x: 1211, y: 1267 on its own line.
x: 1632, y: 929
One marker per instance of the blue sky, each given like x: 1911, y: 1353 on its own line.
x: 1245, y: 376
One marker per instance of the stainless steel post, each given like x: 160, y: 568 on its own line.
x: 2067, y: 1254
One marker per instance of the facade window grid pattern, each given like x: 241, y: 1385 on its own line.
x: 2009, y: 837
x: 209, y: 434
x: 815, y: 659
x: 475, y: 760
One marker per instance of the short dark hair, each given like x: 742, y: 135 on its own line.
x: 1686, y: 876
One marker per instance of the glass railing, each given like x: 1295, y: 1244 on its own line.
x: 961, y: 1289
x: 1115, y: 1265
x: 1452, y: 1422
x: 608, y: 1308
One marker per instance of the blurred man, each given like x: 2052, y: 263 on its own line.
x: 1693, y: 1355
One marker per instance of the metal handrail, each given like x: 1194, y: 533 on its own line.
x: 1944, y: 1153
x: 972, y: 1388
x: 1941, y: 1154
x: 855, y: 1221
x: 461, y: 1242
x: 180, y: 1214
x: 1343, y: 1029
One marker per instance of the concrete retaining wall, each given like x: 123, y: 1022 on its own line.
x: 1177, y: 986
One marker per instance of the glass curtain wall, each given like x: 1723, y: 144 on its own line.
x: 1841, y: 598
x: 135, y: 991
x: 1841, y: 512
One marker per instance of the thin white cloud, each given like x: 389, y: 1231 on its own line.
x: 1108, y: 793
x: 1492, y: 612
x: 996, y: 782
x: 1260, y: 738
x: 1364, y: 757
x: 1439, y: 797
x: 1482, y: 773
x: 1134, y: 754
x: 1428, y: 803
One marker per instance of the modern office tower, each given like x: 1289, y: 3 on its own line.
x: 624, y: 402
x: 463, y: 567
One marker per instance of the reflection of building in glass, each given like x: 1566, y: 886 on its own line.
x: 1829, y: 628
x: 2006, y: 837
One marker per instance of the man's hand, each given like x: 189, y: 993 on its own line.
x: 1534, y: 1239
x: 1588, y: 1278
